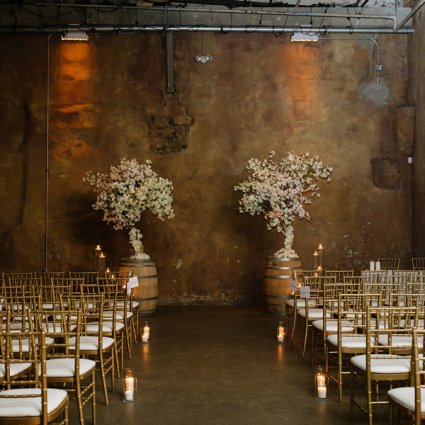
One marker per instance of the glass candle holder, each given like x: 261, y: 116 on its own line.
x: 146, y: 332
x: 280, y: 333
x: 129, y: 386
x: 320, y: 386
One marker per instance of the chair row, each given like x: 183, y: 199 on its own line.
x: 358, y: 333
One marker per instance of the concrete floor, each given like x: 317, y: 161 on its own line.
x: 221, y: 366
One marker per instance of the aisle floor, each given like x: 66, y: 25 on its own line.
x: 221, y: 366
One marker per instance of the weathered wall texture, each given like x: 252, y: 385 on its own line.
x: 417, y: 72
x: 260, y: 93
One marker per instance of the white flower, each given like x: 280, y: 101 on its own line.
x: 279, y: 190
x: 128, y: 190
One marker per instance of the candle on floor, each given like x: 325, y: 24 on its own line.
x: 129, y: 386
x: 146, y: 332
x: 280, y: 332
x: 320, y: 382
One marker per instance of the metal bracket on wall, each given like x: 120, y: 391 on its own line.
x: 169, y: 62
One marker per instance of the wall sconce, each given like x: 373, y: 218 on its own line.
x: 203, y: 58
x: 305, y: 37
x: 75, y: 36
x: 129, y: 386
x: 320, y: 382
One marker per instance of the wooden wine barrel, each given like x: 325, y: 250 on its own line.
x: 278, y: 274
x: 147, y: 292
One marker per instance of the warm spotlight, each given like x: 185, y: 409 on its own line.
x: 75, y: 36
x: 304, y: 37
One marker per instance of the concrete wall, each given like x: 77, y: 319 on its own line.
x: 108, y: 100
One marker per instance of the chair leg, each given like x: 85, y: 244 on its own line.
x: 305, y: 337
x: 390, y: 414
x: 340, y: 376
x: 352, y: 383
x: 103, y: 377
x: 294, y: 323
x: 127, y: 338
x: 79, y: 401
x: 93, y: 404
x: 369, y: 402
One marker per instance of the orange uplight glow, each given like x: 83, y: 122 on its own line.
x: 300, y: 63
x: 71, y: 99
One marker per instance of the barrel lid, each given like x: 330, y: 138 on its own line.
x: 283, y: 258
x: 129, y: 260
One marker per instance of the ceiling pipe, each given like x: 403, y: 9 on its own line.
x: 93, y: 29
x: 232, y: 11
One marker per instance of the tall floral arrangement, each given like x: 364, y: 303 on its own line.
x: 280, y: 190
x: 126, y: 192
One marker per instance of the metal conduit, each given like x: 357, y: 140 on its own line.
x: 194, y: 28
x: 233, y: 11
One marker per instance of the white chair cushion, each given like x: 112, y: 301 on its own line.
x: 90, y: 343
x: 405, y: 396
x: 106, y: 327
x: 23, y: 345
x: 348, y: 341
x: 15, y: 368
x: 300, y: 303
x: 332, y: 325
x: 398, y: 341
x: 50, y: 306
x: 385, y: 363
x: 313, y: 313
x: 52, y: 327
x: 119, y: 315
x: 65, y: 367
x: 23, y: 407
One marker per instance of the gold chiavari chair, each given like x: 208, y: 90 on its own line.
x: 301, y: 275
x: 28, y: 400
x: 18, y: 369
x: 88, y: 277
x: 386, y: 360
x: 115, y: 321
x: 69, y: 288
x: 340, y: 275
x: 418, y: 263
x: 389, y: 263
x: 343, y: 344
x: 47, y: 276
x: 92, y: 341
x: 308, y: 314
x: 65, y: 369
x: 134, y: 305
x: 409, y: 400
x: 328, y: 325
x: 17, y: 275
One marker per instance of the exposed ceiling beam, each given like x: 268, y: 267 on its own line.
x: 410, y: 15
x: 96, y: 29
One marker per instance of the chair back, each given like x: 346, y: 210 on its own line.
x: 339, y: 274
x: 389, y: 263
x: 418, y: 263
x: 418, y: 368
